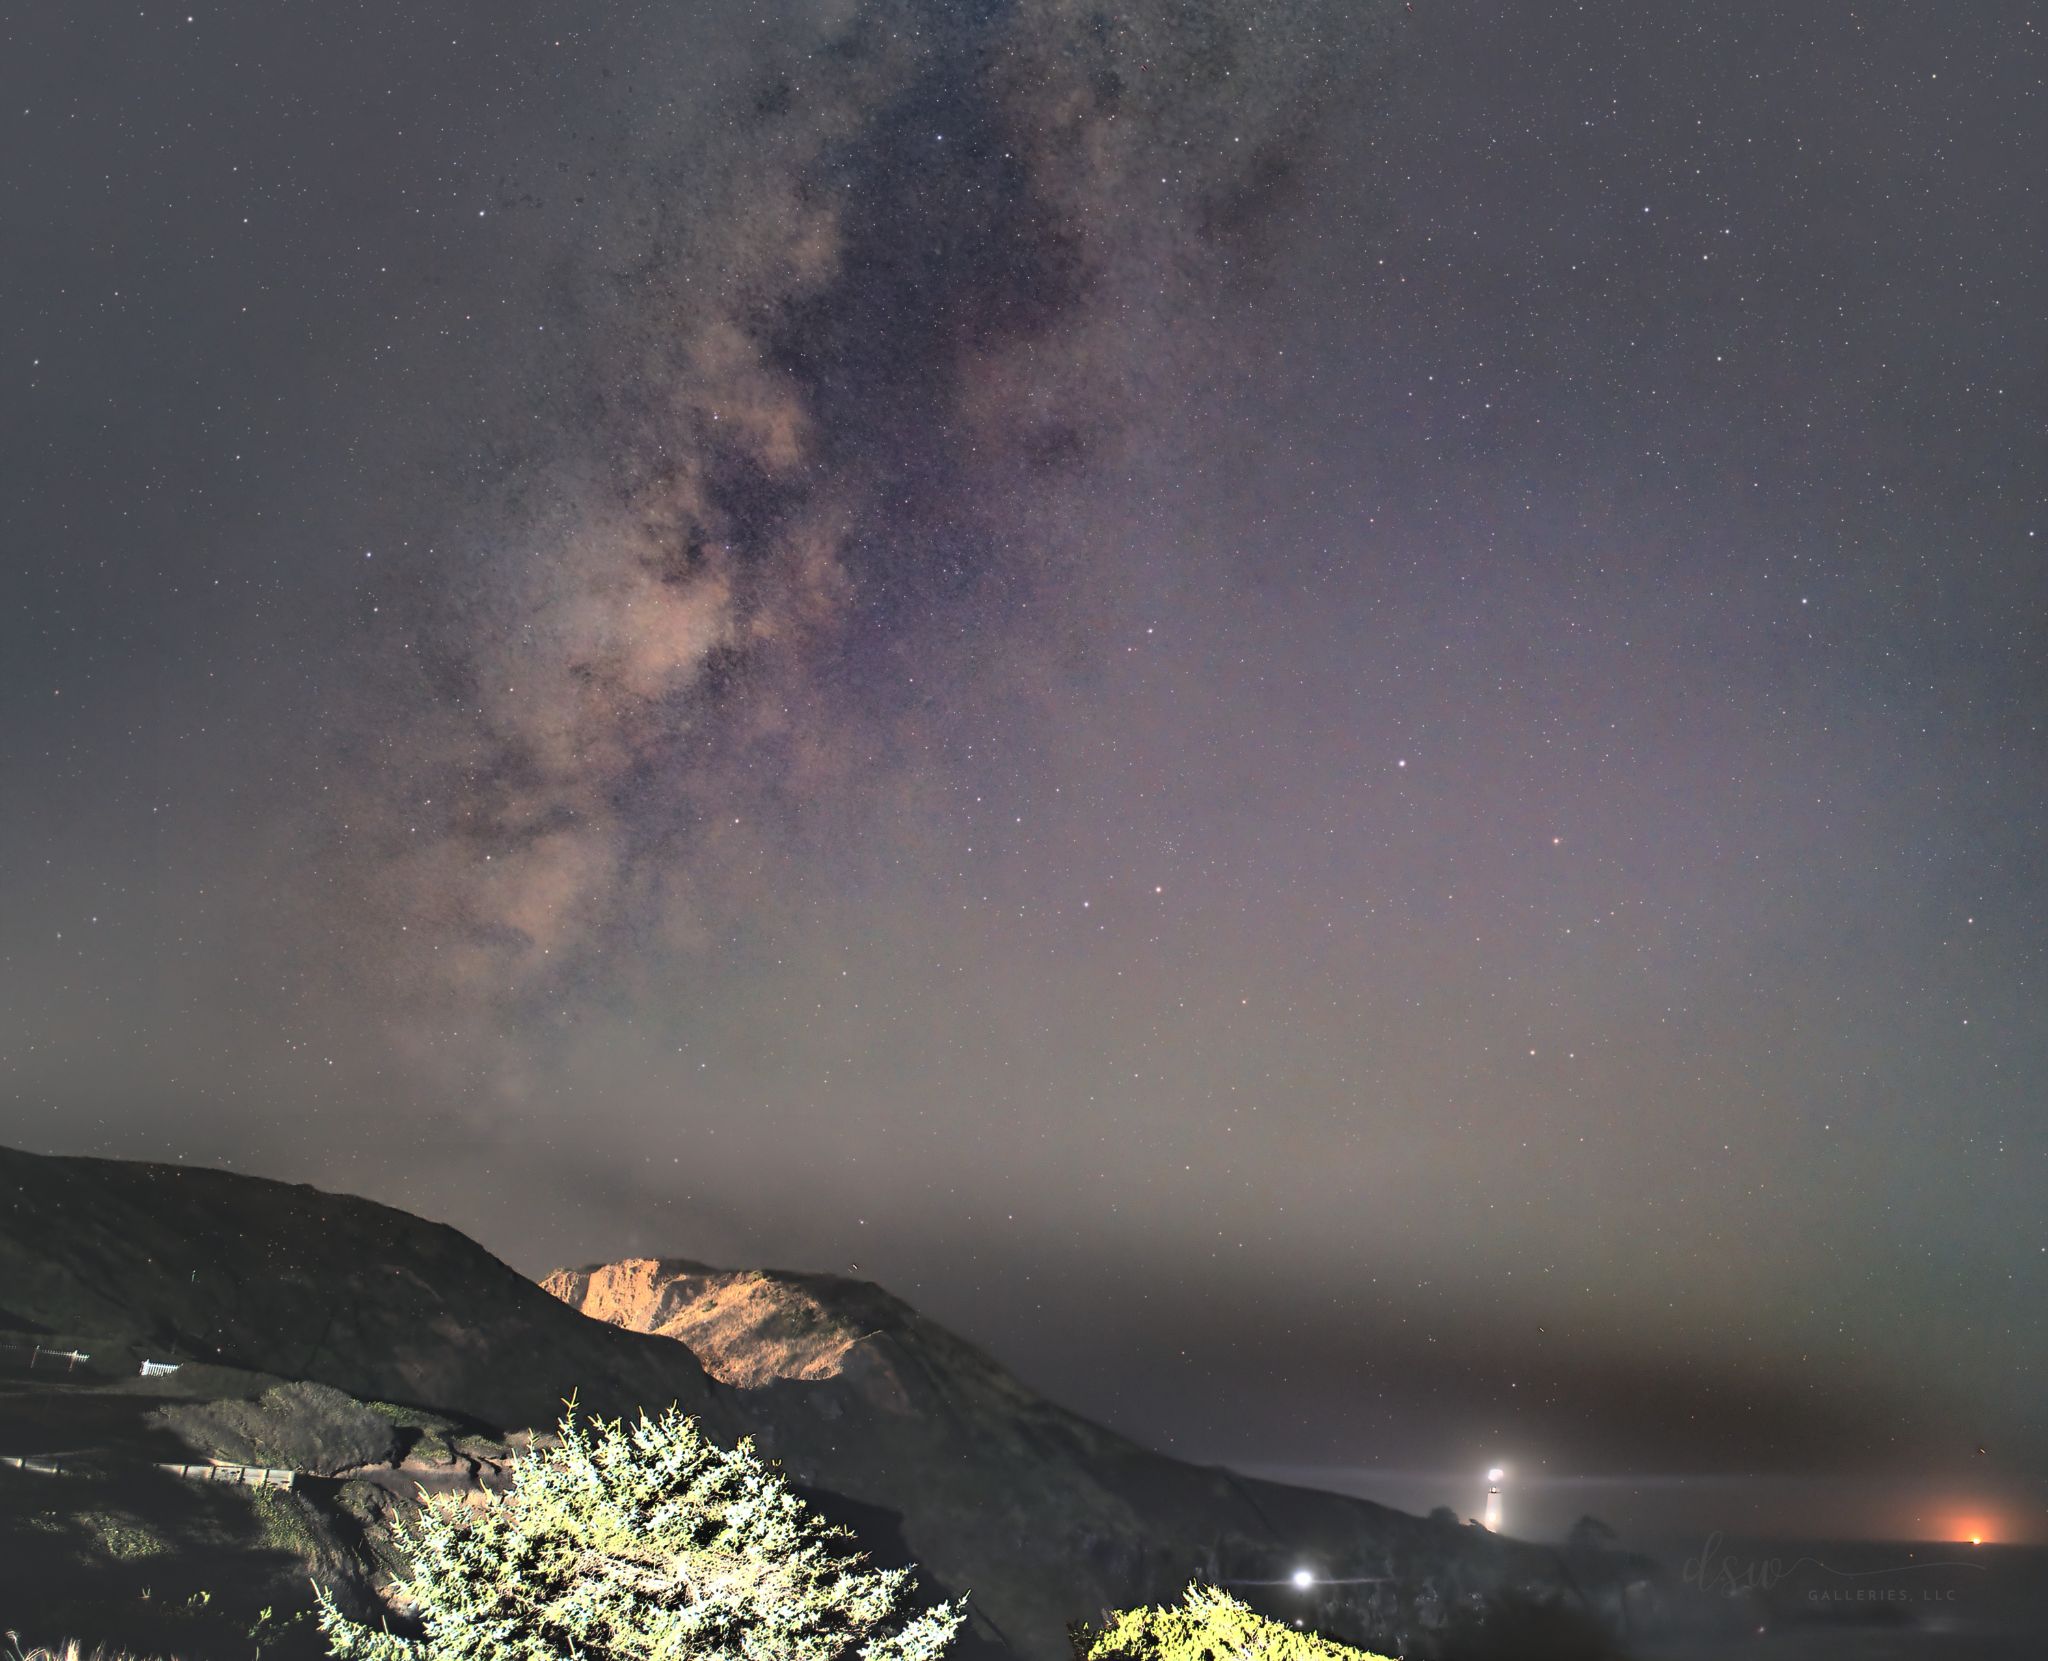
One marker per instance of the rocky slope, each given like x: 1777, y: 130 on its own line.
x: 930, y: 1448
x: 750, y: 1327
x: 744, y: 1326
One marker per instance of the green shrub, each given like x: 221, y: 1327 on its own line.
x: 121, y: 1537
x: 301, y: 1426
x: 641, y: 1542
x: 1208, y: 1625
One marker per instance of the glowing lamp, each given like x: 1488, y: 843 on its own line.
x: 1304, y: 1579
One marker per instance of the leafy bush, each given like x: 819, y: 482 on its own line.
x: 1208, y: 1625
x: 433, y: 1438
x: 121, y: 1537
x: 301, y: 1426
x: 641, y: 1542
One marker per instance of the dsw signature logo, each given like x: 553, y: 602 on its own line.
x: 1723, y: 1572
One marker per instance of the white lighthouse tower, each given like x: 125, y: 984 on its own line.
x: 1494, y: 1478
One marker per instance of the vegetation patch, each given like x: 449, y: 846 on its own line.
x: 301, y: 1426
x: 1206, y: 1625
x: 120, y: 1538
x: 637, y: 1542
x: 141, y: 1563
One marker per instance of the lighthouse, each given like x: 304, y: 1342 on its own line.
x: 1493, y: 1482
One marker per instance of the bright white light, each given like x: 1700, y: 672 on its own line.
x: 1495, y: 1474
x: 1304, y: 1579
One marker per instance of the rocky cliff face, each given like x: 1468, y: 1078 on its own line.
x: 746, y: 1328
x: 749, y: 1328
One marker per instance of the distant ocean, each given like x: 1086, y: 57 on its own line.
x: 1805, y: 1600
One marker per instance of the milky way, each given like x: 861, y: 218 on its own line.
x: 867, y: 325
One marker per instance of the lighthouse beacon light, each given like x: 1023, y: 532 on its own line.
x: 1494, y: 1477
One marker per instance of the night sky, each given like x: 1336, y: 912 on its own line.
x: 1328, y: 717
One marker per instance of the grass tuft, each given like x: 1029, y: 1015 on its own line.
x: 69, y: 1649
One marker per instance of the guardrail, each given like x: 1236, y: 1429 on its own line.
x: 48, y: 1464
x: 248, y: 1476
x: 245, y: 1476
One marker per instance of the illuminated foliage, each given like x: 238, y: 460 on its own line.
x: 1208, y: 1625
x: 642, y: 1543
